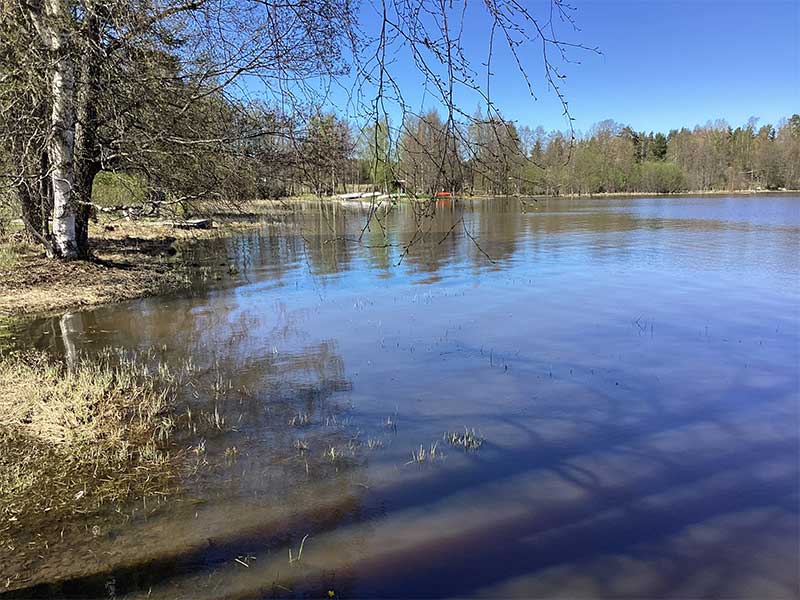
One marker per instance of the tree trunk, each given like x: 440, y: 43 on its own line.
x: 30, y: 183
x: 45, y: 197
x: 84, y: 180
x: 62, y: 131
x: 30, y: 203
x: 87, y: 155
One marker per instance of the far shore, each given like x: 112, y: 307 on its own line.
x: 383, y: 198
x: 679, y: 194
x: 637, y: 194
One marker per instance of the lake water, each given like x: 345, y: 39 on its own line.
x: 632, y: 365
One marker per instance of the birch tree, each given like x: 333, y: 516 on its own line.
x: 51, y: 23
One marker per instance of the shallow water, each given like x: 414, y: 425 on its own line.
x: 632, y: 364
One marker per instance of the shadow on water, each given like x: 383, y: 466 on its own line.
x: 600, y: 514
x: 631, y: 363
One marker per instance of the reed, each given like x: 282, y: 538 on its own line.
x: 468, y: 440
x: 426, y: 455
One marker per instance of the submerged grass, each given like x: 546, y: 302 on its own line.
x: 89, y: 443
x: 301, y: 419
x: 73, y: 439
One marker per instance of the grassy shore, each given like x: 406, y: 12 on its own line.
x: 132, y: 259
x: 123, y: 268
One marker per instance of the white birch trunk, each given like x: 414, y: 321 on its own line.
x: 62, y: 131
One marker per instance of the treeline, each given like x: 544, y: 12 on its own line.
x: 426, y: 154
x: 492, y: 156
x: 715, y: 156
x: 243, y: 151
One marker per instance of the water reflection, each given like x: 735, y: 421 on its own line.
x: 632, y: 364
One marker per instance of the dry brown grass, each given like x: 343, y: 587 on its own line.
x: 15, y: 251
x: 32, y: 283
x: 133, y: 260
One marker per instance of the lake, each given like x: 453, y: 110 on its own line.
x: 631, y: 365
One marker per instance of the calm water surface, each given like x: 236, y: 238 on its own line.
x: 631, y: 363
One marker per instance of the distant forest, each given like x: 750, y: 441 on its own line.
x: 324, y: 154
x: 424, y: 155
x: 491, y: 156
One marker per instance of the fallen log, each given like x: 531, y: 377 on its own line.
x: 189, y: 224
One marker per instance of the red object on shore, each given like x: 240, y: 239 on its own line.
x: 443, y: 195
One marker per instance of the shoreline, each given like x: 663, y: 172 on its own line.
x: 411, y: 199
x: 133, y: 260
x: 637, y: 195
x: 678, y: 194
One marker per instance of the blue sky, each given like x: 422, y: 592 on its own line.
x: 664, y: 64
x: 667, y: 64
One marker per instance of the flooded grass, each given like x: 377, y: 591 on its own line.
x: 467, y: 440
x: 74, y: 440
x: 425, y: 455
x: 299, y: 555
x: 86, y: 440
x: 300, y: 420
